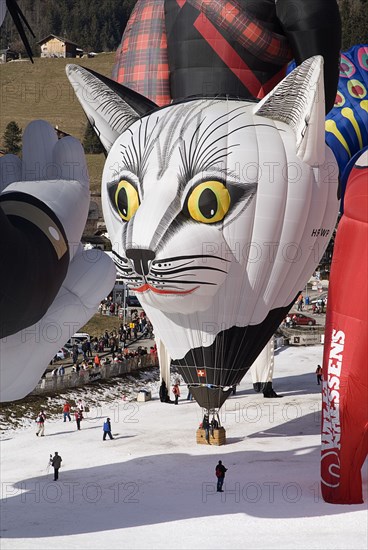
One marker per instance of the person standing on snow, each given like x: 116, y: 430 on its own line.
x: 164, y: 394
x: 319, y: 374
x: 78, y: 418
x: 189, y: 396
x: 176, y: 392
x: 41, y: 423
x: 81, y: 406
x: 66, y: 411
x: 56, y: 463
x: 107, y: 429
x: 220, y: 474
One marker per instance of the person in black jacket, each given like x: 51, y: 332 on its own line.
x: 56, y: 463
x: 206, y: 426
x: 220, y: 474
x: 164, y: 394
x: 319, y: 374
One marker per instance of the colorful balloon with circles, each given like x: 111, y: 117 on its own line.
x: 347, y: 122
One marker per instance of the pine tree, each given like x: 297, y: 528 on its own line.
x: 91, y: 143
x: 12, y: 138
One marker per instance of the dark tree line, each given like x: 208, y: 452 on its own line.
x: 93, y: 25
x: 98, y: 25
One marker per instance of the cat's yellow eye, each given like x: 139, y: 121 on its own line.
x: 126, y: 200
x: 209, y: 202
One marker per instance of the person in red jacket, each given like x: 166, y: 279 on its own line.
x: 78, y: 418
x: 176, y: 392
x: 66, y: 411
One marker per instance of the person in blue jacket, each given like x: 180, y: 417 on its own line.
x: 107, y: 429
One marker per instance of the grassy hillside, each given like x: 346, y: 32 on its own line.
x: 42, y: 90
x: 95, y: 167
x: 99, y: 323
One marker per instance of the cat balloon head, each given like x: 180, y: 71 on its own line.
x: 185, y: 186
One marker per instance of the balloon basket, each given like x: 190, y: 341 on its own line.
x: 217, y: 438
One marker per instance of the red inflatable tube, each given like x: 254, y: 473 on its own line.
x: 345, y: 365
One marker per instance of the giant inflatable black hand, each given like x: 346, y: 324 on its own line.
x: 49, y: 285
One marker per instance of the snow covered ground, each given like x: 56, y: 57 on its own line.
x: 154, y: 487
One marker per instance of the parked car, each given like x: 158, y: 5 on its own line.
x: 79, y: 337
x: 300, y: 319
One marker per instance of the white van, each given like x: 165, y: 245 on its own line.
x: 79, y: 337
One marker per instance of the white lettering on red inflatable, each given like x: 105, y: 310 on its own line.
x: 331, y: 429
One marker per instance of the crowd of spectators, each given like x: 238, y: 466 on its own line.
x: 110, y: 347
x: 110, y: 308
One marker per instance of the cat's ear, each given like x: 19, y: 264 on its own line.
x: 110, y: 107
x: 299, y: 101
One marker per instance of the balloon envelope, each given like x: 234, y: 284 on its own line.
x: 216, y: 214
x: 347, y: 123
x: 216, y: 224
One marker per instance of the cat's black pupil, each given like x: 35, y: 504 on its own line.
x: 123, y: 201
x: 207, y: 203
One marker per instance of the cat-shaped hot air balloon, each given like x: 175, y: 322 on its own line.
x: 218, y: 211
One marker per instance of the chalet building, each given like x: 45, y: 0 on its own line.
x: 55, y: 46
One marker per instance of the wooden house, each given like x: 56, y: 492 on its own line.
x: 55, y: 46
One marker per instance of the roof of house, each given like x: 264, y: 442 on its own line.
x: 47, y: 38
